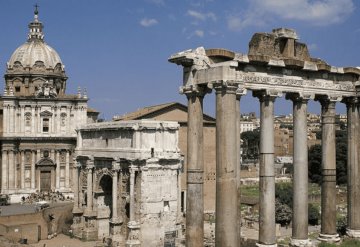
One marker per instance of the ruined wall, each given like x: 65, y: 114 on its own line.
x: 159, y: 197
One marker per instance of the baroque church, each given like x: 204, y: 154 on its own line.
x: 38, y: 120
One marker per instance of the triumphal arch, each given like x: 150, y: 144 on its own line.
x: 276, y: 64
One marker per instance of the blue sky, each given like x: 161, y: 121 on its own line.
x: 118, y: 49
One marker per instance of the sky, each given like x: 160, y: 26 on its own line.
x: 118, y: 49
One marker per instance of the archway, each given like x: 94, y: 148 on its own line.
x: 106, y: 187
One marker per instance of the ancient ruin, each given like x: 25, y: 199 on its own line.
x: 127, y: 183
x: 276, y: 64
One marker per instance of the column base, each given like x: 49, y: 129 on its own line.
x: 266, y: 245
x: 300, y: 242
x: 329, y: 238
x: 133, y: 238
x: 353, y: 233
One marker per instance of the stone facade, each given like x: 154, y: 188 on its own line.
x: 38, y: 120
x: 129, y: 183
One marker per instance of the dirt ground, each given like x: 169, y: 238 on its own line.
x: 59, y: 241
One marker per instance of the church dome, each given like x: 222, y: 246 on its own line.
x: 35, y: 53
x: 35, y: 64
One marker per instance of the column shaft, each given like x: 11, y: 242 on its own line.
x: 76, y: 185
x: 328, y: 186
x: 57, y: 161
x: 114, y: 195
x: 22, y: 169
x: 132, y: 194
x: 33, y: 169
x: 226, y: 228
x: 267, y: 234
x: 89, y: 189
x: 11, y: 170
x: 353, y: 168
x: 4, y: 173
x: 195, y: 170
x: 67, y: 169
x: 300, y: 174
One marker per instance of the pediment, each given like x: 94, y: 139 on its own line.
x: 46, y: 114
x: 45, y: 162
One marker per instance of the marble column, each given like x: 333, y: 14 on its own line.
x: 239, y: 92
x: 328, y: 187
x: 353, y: 169
x: 115, y: 181
x: 33, y: 169
x: 227, y: 213
x: 300, y: 174
x: 76, y: 185
x: 89, y: 187
x: 4, y: 173
x: 195, y: 170
x: 267, y: 232
x: 132, y: 194
x: 67, y: 169
x: 22, y: 169
x: 57, y: 161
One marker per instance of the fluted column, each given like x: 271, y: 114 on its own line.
x: 353, y: 169
x: 132, y: 194
x: 195, y: 170
x: 89, y: 202
x: 328, y: 187
x: 67, y: 169
x: 267, y: 233
x: 226, y: 227
x: 116, y: 168
x: 300, y: 173
x: 33, y: 169
x: 4, y: 173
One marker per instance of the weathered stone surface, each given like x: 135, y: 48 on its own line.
x: 132, y: 177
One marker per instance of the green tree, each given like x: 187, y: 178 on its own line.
x: 251, y: 142
x: 314, y: 214
x: 283, y: 213
x: 284, y: 193
x: 314, y: 157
